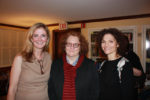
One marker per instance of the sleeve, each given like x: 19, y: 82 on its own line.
x: 51, y: 91
x: 95, y: 85
x: 137, y: 64
x: 135, y: 61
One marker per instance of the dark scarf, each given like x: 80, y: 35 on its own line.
x: 69, y: 91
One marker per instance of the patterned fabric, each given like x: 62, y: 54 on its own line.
x: 120, y: 65
x: 69, y: 91
x: 116, y: 80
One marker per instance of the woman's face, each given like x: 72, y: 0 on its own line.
x: 109, y: 44
x: 39, y: 38
x: 72, y: 46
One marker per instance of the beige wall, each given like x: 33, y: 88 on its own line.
x: 119, y: 23
x: 138, y: 23
x: 11, y: 42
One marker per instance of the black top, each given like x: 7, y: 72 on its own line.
x: 110, y: 86
x: 86, y: 83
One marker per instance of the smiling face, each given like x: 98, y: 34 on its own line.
x: 39, y: 38
x: 109, y: 45
x: 72, y: 46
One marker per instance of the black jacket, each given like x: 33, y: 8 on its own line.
x: 112, y: 87
x: 86, y: 83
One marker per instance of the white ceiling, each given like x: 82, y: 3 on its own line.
x: 27, y: 12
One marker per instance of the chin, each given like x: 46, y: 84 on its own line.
x: 106, y: 53
x: 39, y: 47
x: 71, y: 55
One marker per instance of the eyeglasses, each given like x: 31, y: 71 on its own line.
x: 74, y: 45
x: 41, y: 66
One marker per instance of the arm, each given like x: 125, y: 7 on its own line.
x: 51, y: 85
x: 96, y: 84
x: 55, y: 83
x: 14, y: 77
x: 137, y: 72
x: 136, y: 64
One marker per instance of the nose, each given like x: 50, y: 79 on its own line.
x: 71, y: 46
x: 106, y: 44
x: 39, y: 37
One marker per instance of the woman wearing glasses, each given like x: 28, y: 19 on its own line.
x: 73, y: 77
x: 30, y: 70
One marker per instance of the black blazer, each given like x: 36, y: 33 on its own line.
x: 86, y: 82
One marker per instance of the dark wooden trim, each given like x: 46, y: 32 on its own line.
x: 89, y: 21
x: 56, y: 24
x: 14, y: 26
x: 111, y: 19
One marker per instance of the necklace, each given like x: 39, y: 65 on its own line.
x: 41, y: 66
x: 40, y: 61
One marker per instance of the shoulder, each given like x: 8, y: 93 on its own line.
x: 57, y: 65
x: 17, y: 61
x: 18, y: 58
x: 47, y: 55
x: 125, y: 63
x: 89, y: 63
x: 57, y: 62
x: 88, y: 60
x: 132, y: 56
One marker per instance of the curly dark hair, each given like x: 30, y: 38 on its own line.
x: 118, y: 35
x: 83, y: 42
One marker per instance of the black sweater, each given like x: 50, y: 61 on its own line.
x: 86, y: 83
x: 110, y: 86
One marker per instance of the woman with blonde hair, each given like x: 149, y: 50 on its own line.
x: 30, y: 70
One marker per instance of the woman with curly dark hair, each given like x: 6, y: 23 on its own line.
x: 115, y: 73
x: 73, y: 77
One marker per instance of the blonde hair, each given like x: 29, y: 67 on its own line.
x: 27, y: 51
